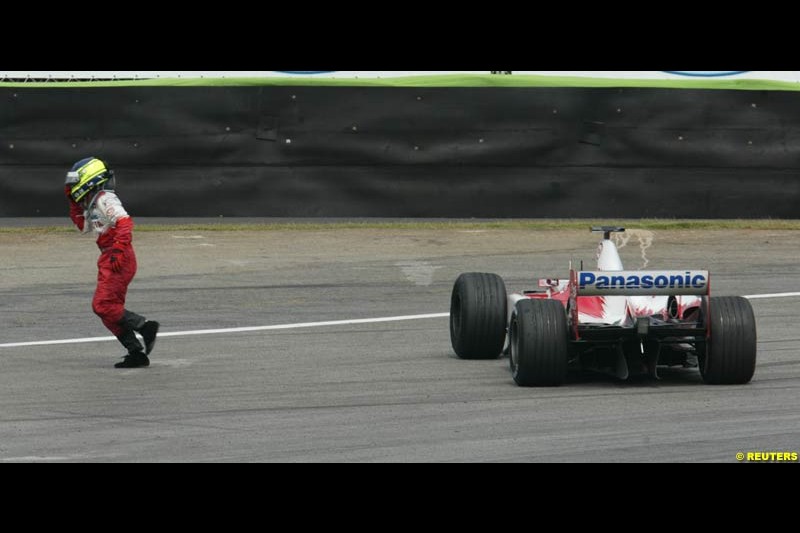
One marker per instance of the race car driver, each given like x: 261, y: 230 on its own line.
x: 94, y: 206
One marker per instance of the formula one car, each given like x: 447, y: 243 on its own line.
x: 612, y: 320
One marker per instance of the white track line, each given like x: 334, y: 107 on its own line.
x: 296, y: 326
x: 238, y: 330
x: 776, y: 295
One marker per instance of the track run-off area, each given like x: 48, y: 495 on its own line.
x: 331, y: 344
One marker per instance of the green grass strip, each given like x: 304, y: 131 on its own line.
x: 450, y: 80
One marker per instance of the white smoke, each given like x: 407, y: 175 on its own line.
x: 418, y: 272
x: 645, y: 238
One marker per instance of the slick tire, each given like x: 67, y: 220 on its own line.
x: 538, y: 338
x: 478, y: 316
x: 730, y: 354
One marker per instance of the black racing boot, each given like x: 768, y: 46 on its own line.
x: 133, y: 361
x: 149, y: 332
x: 136, y: 356
x: 147, y: 328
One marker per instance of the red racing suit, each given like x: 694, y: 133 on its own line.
x: 116, y: 266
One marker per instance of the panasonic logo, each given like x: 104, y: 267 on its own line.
x: 651, y: 282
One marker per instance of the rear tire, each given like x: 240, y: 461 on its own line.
x: 538, y: 333
x: 730, y: 354
x: 478, y: 316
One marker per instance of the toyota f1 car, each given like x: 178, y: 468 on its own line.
x: 609, y: 319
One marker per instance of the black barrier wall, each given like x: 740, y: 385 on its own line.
x: 408, y: 152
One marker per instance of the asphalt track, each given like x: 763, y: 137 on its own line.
x: 371, y: 391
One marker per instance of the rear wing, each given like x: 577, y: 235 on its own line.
x: 642, y: 283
